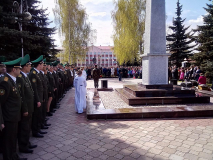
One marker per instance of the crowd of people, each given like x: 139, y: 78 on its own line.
x: 187, y: 74
x: 28, y: 96
x: 120, y: 71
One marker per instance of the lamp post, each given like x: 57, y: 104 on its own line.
x: 19, y: 8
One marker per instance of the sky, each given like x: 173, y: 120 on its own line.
x: 99, y: 12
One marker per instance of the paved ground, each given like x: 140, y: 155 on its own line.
x: 72, y: 137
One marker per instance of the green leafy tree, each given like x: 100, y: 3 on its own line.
x: 71, y: 18
x: 179, y: 42
x: 35, y: 32
x: 129, y: 25
x: 204, y: 57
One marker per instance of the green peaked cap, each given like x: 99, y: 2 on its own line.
x: 26, y: 60
x: 45, y: 62
x: 2, y: 59
x: 15, y: 63
x: 55, y: 63
x: 49, y: 63
x: 38, y: 60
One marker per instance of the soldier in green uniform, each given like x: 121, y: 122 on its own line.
x: 69, y: 77
x: 57, y: 83
x: 10, y: 100
x: 61, y: 78
x: 37, y: 85
x: 96, y: 76
x: 2, y: 72
x: 27, y: 107
x: 66, y: 78
x: 43, y: 77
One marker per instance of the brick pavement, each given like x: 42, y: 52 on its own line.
x: 72, y: 137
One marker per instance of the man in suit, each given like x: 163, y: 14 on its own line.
x: 37, y: 85
x: 96, y: 76
x: 27, y: 107
x: 10, y: 100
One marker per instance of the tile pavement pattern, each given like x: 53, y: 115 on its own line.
x: 71, y: 137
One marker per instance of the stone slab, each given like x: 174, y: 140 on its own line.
x: 181, y: 99
x: 96, y: 110
x: 105, y: 89
x: 139, y: 91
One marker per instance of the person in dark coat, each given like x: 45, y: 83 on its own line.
x: 27, y: 108
x: 96, y: 76
x: 2, y: 72
x: 37, y: 85
x: 175, y: 73
x: 120, y: 73
x: 10, y: 100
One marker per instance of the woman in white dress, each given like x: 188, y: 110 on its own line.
x: 80, y: 85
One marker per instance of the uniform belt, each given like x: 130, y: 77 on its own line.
x: 81, y: 85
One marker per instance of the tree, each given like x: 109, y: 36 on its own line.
x: 36, y: 34
x: 72, y: 20
x: 129, y: 26
x: 179, y: 42
x: 204, y: 39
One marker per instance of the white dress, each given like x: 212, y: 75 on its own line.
x: 80, y: 94
x: 84, y: 74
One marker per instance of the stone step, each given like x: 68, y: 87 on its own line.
x: 96, y: 110
x: 130, y: 99
x: 139, y: 91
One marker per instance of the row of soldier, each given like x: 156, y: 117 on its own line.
x: 27, y: 96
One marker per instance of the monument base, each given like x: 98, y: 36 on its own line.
x: 155, y: 67
x: 96, y: 110
x: 159, y: 94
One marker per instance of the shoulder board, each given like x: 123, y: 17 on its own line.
x: 6, y: 79
x: 34, y: 72
x: 20, y: 75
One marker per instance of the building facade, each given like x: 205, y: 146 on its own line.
x: 103, y: 56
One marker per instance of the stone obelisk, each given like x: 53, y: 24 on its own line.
x: 155, y: 58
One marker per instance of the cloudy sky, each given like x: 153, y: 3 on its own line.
x: 99, y: 12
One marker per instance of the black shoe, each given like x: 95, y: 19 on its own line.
x: 47, y: 124
x: 44, y: 127
x: 49, y: 114
x: 22, y: 159
x: 52, y: 111
x: 32, y: 146
x: 38, y: 135
x: 26, y: 151
x: 41, y: 132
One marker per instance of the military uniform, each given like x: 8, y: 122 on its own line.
x: 2, y: 59
x: 37, y: 86
x: 57, y: 83
x: 27, y: 95
x: 61, y: 78
x: 96, y: 76
x: 10, y: 100
x: 52, y: 86
x: 45, y: 83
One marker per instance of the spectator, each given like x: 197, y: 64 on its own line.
x: 202, y: 79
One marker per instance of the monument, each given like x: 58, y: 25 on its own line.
x: 155, y: 59
x: 154, y: 88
